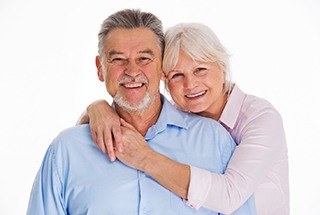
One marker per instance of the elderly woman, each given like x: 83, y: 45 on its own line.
x: 197, y: 69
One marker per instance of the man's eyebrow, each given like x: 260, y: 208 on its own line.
x: 147, y: 51
x: 113, y: 52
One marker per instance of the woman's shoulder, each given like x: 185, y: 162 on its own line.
x: 253, y: 105
x: 249, y: 103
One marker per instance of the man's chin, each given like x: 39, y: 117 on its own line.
x: 133, y: 105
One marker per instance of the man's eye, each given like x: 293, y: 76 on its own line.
x: 143, y: 60
x: 116, y: 59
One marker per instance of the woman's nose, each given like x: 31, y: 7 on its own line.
x: 190, y: 81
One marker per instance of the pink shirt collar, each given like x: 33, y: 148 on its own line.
x: 232, y: 109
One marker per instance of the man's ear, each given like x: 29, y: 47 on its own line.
x: 99, y: 69
x: 163, y: 76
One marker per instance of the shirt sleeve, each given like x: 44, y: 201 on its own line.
x: 46, y: 195
x: 262, y: 142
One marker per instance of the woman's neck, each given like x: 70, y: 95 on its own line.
x: 215, y: 110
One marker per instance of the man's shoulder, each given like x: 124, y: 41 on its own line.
x: 192, y: 118
x: 75, y: 131
x: 74, y: 143
x: 75, y: 134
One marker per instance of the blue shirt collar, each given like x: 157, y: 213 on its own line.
x: 169, y: 116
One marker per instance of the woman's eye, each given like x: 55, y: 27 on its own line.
x: 176, y: 75
x: 200, y: 71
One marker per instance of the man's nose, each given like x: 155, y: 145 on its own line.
x: 132, y: 68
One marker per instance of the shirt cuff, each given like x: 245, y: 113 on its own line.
x: 199, y: 187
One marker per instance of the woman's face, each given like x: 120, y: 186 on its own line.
x: 197, y: 86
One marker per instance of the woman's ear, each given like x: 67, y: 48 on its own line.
x: 99, y: 69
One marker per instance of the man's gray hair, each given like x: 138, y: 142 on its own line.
x: 131, y: 19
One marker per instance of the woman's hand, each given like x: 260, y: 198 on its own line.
x: 137, y: 154
x: 135, y: 148
x: 104, y: 126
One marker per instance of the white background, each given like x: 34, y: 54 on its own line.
x: 48, y: 76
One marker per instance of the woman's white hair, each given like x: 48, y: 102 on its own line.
x: 200, y: 43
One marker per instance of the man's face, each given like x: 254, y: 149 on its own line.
x: 131, y: 68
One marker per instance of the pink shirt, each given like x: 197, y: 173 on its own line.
x: 258, y: 166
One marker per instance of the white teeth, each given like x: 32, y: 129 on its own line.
x: 195, y: 95
x: 133, y: 85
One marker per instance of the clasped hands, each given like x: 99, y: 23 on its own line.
x: 118, y: 139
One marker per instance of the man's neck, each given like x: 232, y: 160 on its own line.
x: 142, y: 120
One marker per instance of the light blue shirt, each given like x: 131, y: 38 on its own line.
x: 76, y: 177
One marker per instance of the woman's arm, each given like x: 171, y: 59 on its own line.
x: 104, y: 121
x: 137, y: 154
x: 84, y: 118
x: 104, y: 126
x: 262, y: 143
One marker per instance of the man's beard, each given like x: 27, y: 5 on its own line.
x: 142, y: 106
x: 144, y: 103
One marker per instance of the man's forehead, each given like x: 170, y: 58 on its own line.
x: 138, y: 39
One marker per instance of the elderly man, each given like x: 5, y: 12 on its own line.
x: 78, y: 178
